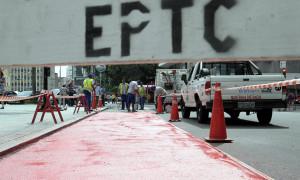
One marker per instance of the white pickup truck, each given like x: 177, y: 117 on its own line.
x: 198, y: 94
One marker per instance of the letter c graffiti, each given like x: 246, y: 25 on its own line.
x: 209, y: 25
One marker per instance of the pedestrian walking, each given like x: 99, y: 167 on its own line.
x: 2, y: 87
x: 71, y: 91
x: 159, y: 91
x: 103, y: 95
x: 291, y: 99
x: 123, y: 88
x: 63, y: 92
x: 132, y: 92
x: 88, y: 88
x: 142, y: 95
x: 113, y: 98
x: 98, y: 92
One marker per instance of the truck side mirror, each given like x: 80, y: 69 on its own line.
x: 205, y: 72
x: 183, y: 78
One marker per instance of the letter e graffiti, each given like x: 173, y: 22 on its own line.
x: 94, y: 32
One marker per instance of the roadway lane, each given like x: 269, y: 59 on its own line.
x: 272, y: 149
x: 119, y: 145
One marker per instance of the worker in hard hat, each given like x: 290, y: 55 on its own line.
x: 88, y: 88
x: 142, y: 95
x: 123, y: 88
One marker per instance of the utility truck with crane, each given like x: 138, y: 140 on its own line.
x: 170, y: 81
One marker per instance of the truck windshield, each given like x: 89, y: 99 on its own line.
x: 228, y: 68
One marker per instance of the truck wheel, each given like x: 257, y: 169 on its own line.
x: 202, y: 114
x: 185, y: 112
x: 234, y: 115
x: 264, y: 116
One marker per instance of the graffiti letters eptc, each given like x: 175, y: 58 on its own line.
x: 174, y: 6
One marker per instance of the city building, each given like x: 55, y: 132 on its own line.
x: 77, y: 73
x: 20, y: 78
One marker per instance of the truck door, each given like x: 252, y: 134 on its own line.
x: 184, y: 88
x: 190, y: 88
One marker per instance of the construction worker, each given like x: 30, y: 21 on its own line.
x: 159, y: 91
x: 98, y: 92
x: 88, y: 88
x: 142, y: 94
x: 132, y: 92
x: 123, y: 88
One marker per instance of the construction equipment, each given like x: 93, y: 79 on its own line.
x: 170, y: 81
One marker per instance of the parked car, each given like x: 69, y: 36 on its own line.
x: 24, y: 94
x: 56, y: 91
x: 11, y: 93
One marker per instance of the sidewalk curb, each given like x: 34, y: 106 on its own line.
x: 27, y: 140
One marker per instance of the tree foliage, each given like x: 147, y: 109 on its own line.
x: 115, y: 73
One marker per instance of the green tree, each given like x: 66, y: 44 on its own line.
x: 115, y: 73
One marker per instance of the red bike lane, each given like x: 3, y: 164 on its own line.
x: 123, y: 146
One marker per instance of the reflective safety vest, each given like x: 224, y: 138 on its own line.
x: 88, y: 84
x: 121, y: 88
x: 142, y: 91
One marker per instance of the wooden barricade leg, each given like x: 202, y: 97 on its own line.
x: 77, y: 101
x: 53, y: 115
x: 77, y: 105
x: 56, y: 108
x: 85, y: 105
x: 81, y: 102
x: 38, y: 108
x: 48, y: 108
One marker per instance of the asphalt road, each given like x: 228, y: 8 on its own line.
x: 272, y: 149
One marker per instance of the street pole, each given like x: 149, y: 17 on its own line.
x: 33, y: 80
x: 72, y: 73
x: 60, y: 84
x: 100, y: 78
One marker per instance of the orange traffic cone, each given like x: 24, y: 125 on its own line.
x: 94, y: 102
x: 100, y: 104
x: 159, y: 109
x: 174, y: 113
x: 217, y: 131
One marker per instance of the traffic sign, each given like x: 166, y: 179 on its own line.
x: 101, y: 68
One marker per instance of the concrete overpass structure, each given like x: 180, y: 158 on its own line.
x: 58, y: 32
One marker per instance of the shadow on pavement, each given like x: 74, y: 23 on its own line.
x: 15, y: 113
x: 237, y: 124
